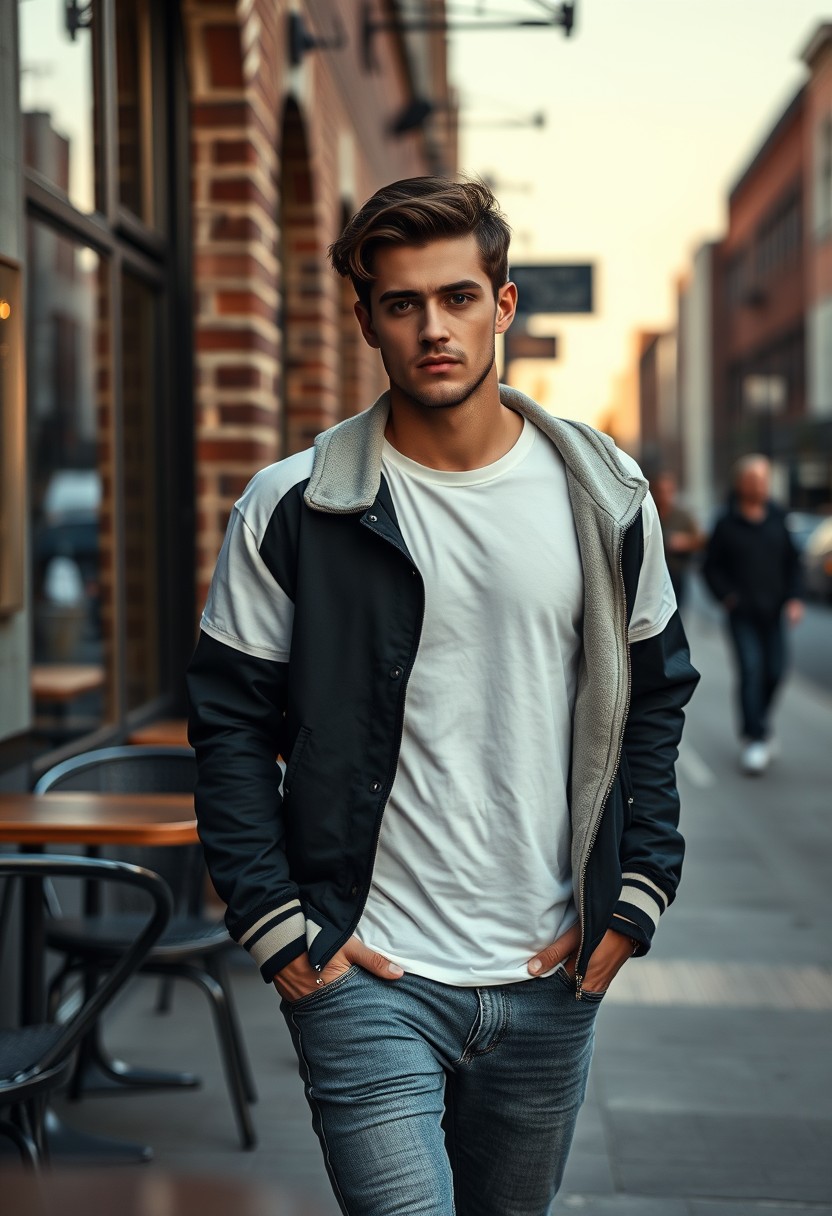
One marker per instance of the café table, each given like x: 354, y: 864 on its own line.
x: 165, y: 732
x: 93, y: 819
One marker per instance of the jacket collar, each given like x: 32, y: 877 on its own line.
x: 346, y: 471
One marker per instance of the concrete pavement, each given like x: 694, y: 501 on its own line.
x: 711, y: 1092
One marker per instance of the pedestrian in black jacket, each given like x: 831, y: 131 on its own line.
x: 753, y: 568
x: 454, y: 621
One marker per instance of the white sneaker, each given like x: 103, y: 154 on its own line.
x: 755, y: 758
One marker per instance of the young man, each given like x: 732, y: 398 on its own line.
x: 453, y: 620
x: 753, y: 568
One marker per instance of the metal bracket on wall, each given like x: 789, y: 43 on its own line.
x: 557, y: 15
x: 301, y: 41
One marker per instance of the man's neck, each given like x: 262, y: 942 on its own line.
x: 754, y: 512
x: 457, y: 438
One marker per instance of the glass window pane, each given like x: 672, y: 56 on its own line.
x: 134, y: 79
x: 57, y: 87
x: 69, y: 422
x: 142, y: 490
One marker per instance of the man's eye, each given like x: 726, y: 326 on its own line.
x: 459, y: 297
x: 402, y: 305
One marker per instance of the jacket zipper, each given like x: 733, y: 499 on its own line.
x: 579, y: 979
x: 391, y: 776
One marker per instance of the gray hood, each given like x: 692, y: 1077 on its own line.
x: 346, y: 472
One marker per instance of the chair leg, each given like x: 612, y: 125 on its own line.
x: 24, y: 1144
x: 225, y: 1029
x: 215, y: 965
x: 164, y: 995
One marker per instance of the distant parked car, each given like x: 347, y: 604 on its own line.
x: 801, y: 525
x: 817, y: 561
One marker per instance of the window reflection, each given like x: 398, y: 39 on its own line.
x: 57, y: 67
x: 134, y: 75
x: 69, y: 422
x: 142, y: 491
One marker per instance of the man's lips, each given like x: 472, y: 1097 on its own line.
x: 441, y: 364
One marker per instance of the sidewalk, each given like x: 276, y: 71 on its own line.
x: 711, y: 1092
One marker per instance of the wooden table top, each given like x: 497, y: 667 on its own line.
x: 165, y: 732
x: 64, y: 681
x: 99, y: 818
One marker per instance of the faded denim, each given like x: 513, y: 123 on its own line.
x: 441, y: 1100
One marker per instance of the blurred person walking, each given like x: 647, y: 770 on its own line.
x: 453, y: 618
x: 681, y: 534
x: 753, y: 568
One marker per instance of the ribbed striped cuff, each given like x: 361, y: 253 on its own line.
x: 640, y: 905
x: 275, y: 938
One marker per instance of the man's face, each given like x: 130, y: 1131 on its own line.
x: 754, y: 483
x: 433, y: 316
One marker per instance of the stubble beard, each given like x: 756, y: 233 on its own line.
x: 449, y: 403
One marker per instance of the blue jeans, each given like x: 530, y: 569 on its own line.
x: 438, y: 1100
x: 760, y: 650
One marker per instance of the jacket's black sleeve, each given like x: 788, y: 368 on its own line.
x: 652, y: 848
x: 236, y: 715
x: 716, y: 569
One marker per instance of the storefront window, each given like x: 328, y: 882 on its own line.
x: 108, y: 595
x: 69, y: 437
x: 142, y: 492
x: 58, y: 87
x: 138, y: 142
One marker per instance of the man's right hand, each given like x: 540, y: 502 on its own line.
x: 299, y: 978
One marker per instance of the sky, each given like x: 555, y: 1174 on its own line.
x: 653, y: 109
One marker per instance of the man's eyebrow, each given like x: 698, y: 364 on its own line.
x: 445, y: 289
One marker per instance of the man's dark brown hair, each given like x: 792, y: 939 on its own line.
x: 417, y: 210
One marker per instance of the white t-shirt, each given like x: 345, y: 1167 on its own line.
x: 472, y: 874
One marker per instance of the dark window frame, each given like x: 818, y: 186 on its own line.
x: 162, y: 260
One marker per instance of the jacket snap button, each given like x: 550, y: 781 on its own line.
x: 354, y: 890
x: 375, y: 786
x: 373, y: 519
x: 395, y: 672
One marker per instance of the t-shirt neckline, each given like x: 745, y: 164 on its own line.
x: 465, y: 477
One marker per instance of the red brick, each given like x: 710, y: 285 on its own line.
x: 224, y: 55
x: 233, y: 339
x: 241, y: 376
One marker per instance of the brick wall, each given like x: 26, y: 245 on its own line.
x: 278, y: 153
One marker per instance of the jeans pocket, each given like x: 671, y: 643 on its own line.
x: 568, y: 982
x: 317, y: 995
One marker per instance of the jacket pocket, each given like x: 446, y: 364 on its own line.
x: 295, y: 758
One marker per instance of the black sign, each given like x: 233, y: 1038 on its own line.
x: 565, y: 287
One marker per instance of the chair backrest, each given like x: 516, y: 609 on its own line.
x: 140, y: 770
x: 124, y: 770
x: 47, y: 866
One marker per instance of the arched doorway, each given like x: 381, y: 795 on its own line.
x: 308, y: 341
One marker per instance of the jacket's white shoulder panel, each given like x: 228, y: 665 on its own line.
x: 247, y: 608
x: 258, y: 501
x: 655, y: 598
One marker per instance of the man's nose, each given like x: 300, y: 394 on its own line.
x: 434, y: 325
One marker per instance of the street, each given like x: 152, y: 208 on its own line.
x: 711, y: 1090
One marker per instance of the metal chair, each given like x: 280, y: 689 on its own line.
x: 36, y: 1060
x: 192, y: 946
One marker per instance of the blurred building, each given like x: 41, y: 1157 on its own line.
x: 658, y: 402
x: 172, y: 174
x: 753, y: 332
x: 814, y: 474
x: 760, y: 302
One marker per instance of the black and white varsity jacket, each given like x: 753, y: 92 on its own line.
x: 310, y: 658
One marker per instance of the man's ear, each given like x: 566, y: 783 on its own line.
x: 506, y: 307
x: 366, y: 323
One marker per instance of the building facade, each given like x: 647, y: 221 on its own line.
x: 172, y: 174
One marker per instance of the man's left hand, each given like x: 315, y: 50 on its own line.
x: 607, y: 959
